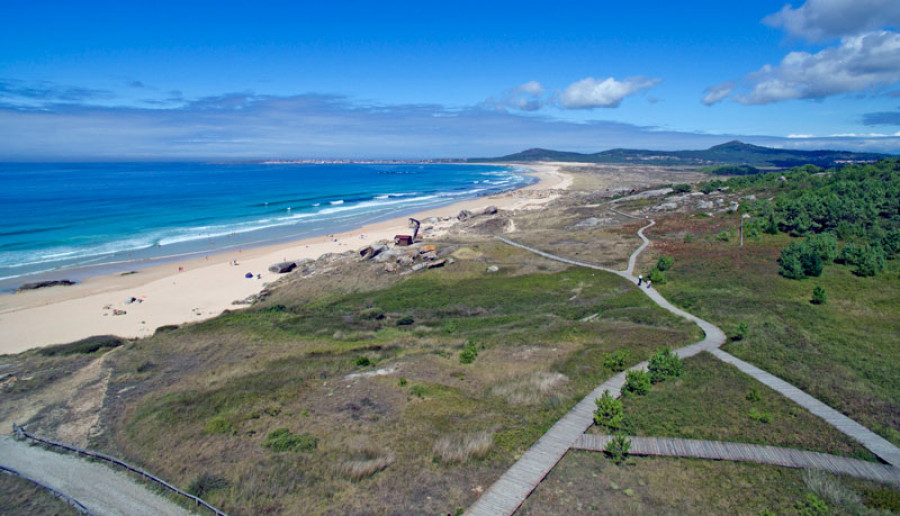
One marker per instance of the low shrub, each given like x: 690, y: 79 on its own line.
x: 664, y: 364
x: 282, y: 440
x: 405, y: 320
x: 372, y: 314
x: 83, y: 346
x: 364, y: 361
x: 467, y: 355
x: 609, y: 413
x: 657, y: 276
x: 617, y: 448
x: 418, y: 390
x: 818, y: 296
x: 740, y: 332
x: 756, y: 415
x: 637, y: 382
x: 812, y: 505
x: 219, y: 425
x: 754, y: 395
x: 402, y: 382
x: 617, y: 360
x: 681, y: 188
x: 665, y: 262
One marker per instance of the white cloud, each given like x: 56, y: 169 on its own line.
x: 717, y: 93
x: 859, y: 63
x: 801, y: 136
x: 592, y: 93
x: 533, y: 88
x: 526, y: 97
x: 817, y: 20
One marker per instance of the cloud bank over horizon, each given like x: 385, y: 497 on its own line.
x: 254, y: 126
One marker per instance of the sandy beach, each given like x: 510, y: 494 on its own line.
x: 201, y: 288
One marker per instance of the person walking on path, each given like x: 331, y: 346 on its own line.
x: 649, y: 282
x: 640, y: 279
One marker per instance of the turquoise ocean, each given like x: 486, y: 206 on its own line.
x: 65, y: 220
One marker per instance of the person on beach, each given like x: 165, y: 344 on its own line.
x: 640, y: 279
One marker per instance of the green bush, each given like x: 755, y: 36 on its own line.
x: 218, y: 425
x: 818, y: 296
x: 617, y: 448
x: 405, y: 320
x: 282, y: 440
x: 799, y: 260
x: 872, y: 262
x: 681, y: 188
x: 609, y: 412
x: 740, y: 332
x: 616, y: 360
x: 688, y: 238
x: 372, y: 314
x: 467, y: 355
x: 83, y: 346
x: 363, y: 361
x: 657, y: 276
x: 664, y: 364
x: 812, y: 506
x: 762, y: 417
x: 754, y: 395
x: 665, y: 262
x: 637, y: 382
x: 418, y: 390
x: 402, y: 382
x: 724, y: 236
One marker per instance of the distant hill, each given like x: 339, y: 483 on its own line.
x: 731, y: 153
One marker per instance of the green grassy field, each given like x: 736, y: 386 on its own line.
x: 843, y: 352
x: 713, y: 400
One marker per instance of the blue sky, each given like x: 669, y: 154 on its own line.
x: 239, y: 80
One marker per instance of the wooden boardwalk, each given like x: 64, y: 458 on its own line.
x: 878, y: 445
x: 717, y: 450
x: 514, y: 486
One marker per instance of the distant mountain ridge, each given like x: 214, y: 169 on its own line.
x: 731, y: 153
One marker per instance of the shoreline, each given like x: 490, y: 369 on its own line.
x: 195, y: 289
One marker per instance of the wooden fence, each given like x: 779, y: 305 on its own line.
x: 20, y: 434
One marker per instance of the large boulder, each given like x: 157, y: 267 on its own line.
x: 490, y: 210
x: 464, y: 214
x: 282, y: 267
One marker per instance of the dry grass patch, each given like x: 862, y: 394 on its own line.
x: 459, y: 448
x: 364, y: 461
x: 532, y: 388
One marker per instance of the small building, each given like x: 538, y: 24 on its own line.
x: 403, y: 239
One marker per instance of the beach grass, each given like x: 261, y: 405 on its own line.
x: 221, y: 386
